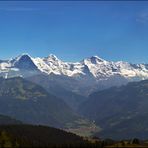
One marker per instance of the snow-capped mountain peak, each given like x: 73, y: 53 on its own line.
x: 97, y: 58
x: 92, y: 66
x: 52, y: 56
x: 19, y: 57
x: 94, y: 60
x: 93, y: 72
x: 24, y: 61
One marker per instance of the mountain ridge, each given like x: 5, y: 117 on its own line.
x: 52, y: 58
x: 121, y: 111
x: 30, y: 103
x: 90, y: 74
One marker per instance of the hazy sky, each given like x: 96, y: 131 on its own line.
x: 75, y: 30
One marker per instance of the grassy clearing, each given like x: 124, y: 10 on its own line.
x: 83, y: 128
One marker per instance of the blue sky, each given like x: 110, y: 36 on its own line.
x: 75, y: 30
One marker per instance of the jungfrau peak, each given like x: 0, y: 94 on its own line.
x: 98, y: 72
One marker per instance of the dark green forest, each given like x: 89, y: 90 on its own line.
x: 15, y: 136
x: 31, y: 136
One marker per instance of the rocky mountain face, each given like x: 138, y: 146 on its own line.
x: 82, y: 77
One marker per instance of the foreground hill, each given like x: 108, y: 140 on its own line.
x: 29, y: 136
x: 30, y: 103
x: 38, y: 136
x: 120, y: 111
x: 6, y: 120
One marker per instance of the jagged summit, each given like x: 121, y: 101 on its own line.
x: 93, y: 59
x: 23, y: 55
x: 52, y: 56
x: 24, y: 61
x: 17, y: 58
x: 97, y: 57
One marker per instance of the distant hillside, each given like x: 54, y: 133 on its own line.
x: 30, y: 103
x: 121, y: 111
x: 57, y: 89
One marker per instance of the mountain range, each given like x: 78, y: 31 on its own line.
x: 84, y: 77
x: 91, y: 95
